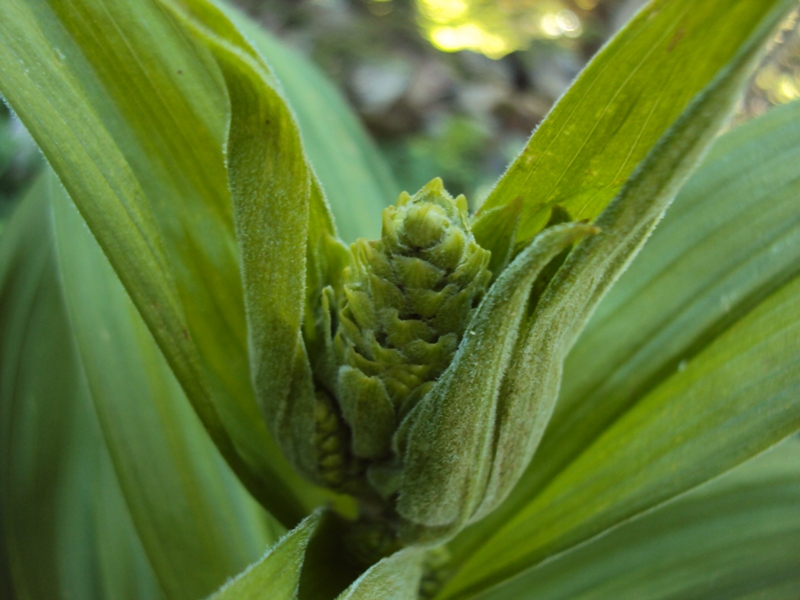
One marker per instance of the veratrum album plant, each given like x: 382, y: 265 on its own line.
x: 227, y: 368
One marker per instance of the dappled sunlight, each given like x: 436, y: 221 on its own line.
x: 497, y: 28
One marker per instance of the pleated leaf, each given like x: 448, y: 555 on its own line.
x: 132, y: 115
x: 271, y: 184
x: 270, y: 187
x: 187, y: 506
x: 357, y: 180
x: 67, y: 531
x: 731, y: 238
x: 738, y: 537
x: 734, y: 400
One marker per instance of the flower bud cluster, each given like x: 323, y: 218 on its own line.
x: 403, y: 310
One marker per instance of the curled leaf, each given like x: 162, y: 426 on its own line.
x: 446, y: 442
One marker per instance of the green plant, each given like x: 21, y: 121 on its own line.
x: 168, y: 372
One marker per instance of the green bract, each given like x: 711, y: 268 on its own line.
x: 197, y: 374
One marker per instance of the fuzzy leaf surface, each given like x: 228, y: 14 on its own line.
x: 270, y: 184
x: 396, y: 577
x: 358, y: 182
x: 733, y: 401
x: 277, y: 574
x: 731, y: 238
x: 131, y: 114
x: 621, y: 105
x: 561, y: 313
x: 284, y: 227
x: 447, y: 440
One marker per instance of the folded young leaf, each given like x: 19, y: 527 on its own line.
x: 65, y: 522
x: 736, y: 537
x: 571, y: 297
x: 277, y: 574
x: 358, y: 182
x: 621, y: 105
x: 396, y: 577
x: 731, y: 238
x: 270, y: 184
x: 131, y: 114
x: 734, y: 400
x: 447, y: 441
x: 275, y: 197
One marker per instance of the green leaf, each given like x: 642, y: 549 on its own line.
x: 66, y: 527
x: 396, y: 577
x: 621, y: 104
x: 187, y: 506
x: 731, y: 238
x: 275, y: 197
x: 495, y: 230
x: 277, y: 574
x: 270, y: 186
x: 734, y: 400
x: 559, y: 316
x: 736, y: 537
x: 131, y: 114
x: 357, y: 181
x: 329, y: 567
x: 447, y: 440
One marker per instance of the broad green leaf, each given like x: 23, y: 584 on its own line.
x: 277, y: 574
x: 67, y: 531
x: 736, y: 537
x: 621, y: 105
x: 396, y: 577
x: 730, y: 239
x: 6, y: 582
x: 187, y: 506
x: 356, y: 179
x: 736, y: 398
x: 561, y: 313
x: 131, y: 114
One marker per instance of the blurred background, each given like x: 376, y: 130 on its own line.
x: 449, y: 88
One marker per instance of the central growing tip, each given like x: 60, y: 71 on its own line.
x: 406, y: 302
